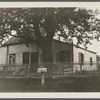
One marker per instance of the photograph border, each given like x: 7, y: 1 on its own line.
x: 56, y: 98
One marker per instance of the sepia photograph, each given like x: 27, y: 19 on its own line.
x: 51, y: 47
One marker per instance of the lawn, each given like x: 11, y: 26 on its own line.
x: 66, y: 84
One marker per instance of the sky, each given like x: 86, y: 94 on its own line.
x: 95, y: 46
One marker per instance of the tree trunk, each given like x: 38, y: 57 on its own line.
x: 47, y: 54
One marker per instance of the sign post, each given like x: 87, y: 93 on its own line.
x: 42, y: 78
x: 42, y: 70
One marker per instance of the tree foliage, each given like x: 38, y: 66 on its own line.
x: 40, y: 24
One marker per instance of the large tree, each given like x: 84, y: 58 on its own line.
x: 38, y: 25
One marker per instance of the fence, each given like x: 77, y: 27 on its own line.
x: 67, y: 68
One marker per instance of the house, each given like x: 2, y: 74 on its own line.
x: 66, y: 57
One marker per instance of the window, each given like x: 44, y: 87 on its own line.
x: 12, y: 58
x: 81, y: 58
x: 34, y: 57
x: 63, y: 56
x: 26, y: 58
x: 91, y: 61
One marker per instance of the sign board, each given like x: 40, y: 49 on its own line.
x: 42, y: 70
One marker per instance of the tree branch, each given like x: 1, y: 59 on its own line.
x: 37, y: 31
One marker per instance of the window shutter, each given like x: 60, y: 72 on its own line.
x: 91, y: 61
x: 79, y: 56
x: 82, y: 58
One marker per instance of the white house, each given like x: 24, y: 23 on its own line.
x: 15, y: 54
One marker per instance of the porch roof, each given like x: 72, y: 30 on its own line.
x: 11, y: 41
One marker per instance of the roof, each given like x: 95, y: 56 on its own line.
x: 15, y: 40
x: 85, y: 49
x: 11, y: 41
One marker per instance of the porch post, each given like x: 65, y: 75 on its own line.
x: 7, y: 57
x: 39, y: 59
x: 29, y: 58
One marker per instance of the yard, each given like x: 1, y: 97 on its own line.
x: 66, y: 84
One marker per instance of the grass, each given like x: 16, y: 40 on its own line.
x: 66, y: 84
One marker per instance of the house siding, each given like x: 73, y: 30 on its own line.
x: 3, y: 51
x: 3, y: 57
x: 87, y: 55
x: 19, y: 58
x: 18, y: 49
